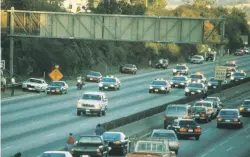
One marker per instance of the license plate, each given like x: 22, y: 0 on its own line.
x: 192, y: 92
x: 106, y: 87
x: 156, y: 90
x: 227, y: 120
x: 30, y: 88
x: 176, y: 85
x: 91, y: 79
x: 190, y: 130
x: 214, y: 86
x: 84, y: 156
x: 52, y: 90
x: 87, y: 110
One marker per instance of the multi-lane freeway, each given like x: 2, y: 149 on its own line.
x: 35, y: 124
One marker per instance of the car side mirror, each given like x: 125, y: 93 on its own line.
x: 100, y: 147
x: 109, y: 148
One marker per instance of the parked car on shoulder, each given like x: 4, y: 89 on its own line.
x: 117, y: 141
x: 56, y: 154
x: 152, y: 148
x: 90, y: 146
x: 57, y: 87
x: 162, y: 64
x: 197, y: 59
x: 35, y: 84
x: 169, y: 135
x: 93, y: 76
x: 128, y: 68
x: 93, y: 103
x: 239, y: 52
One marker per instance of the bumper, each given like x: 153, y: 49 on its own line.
x: 78, y: 154
x: 127, y: 71
x: 245, y: 112
x: 200, y: 117
x: 93, y: 79
x: 173, y: 148
x: 180, y: 72
x: 229, y: 123
x: 54, y: 91
x: 158, y: 90
x: 84, y: 110
x: 213, y: 86
x: 188, y: 134
x: 177, y: 85
x: 193, y: 93
x: 107, y: 87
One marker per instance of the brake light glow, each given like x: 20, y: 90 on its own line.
x: 241, y: 108
x: 236, y: 120
x: 117, y: 142
x: 209, y: 110
x: 203, y: 115
x: 219, y: 119
x: 183, y: 129
x: 165, y: 118
x: 197, y: 130
x: 187, y: 117
x: 198, y: 73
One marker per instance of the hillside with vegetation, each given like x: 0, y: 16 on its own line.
x: 35, y: 56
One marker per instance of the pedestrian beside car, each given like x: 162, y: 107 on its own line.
x: 70, y: 142
x: 99, y: 130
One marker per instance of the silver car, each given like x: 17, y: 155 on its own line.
x: 168, y: 135
x: 197, y: 59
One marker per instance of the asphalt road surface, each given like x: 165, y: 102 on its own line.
x: 36, y: 124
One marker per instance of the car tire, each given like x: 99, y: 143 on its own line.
x: 123, y: 151
x: 197, y: 137
x: 218, y: 126
x: 104, y: 113
x: 186, y: 94
x: 241, y: 125
x: 78, y: 113
x: 24, y: 89
x: 176, y: 152
x: 100, y: 114
x: 149, y: 91
x: 100, y: 88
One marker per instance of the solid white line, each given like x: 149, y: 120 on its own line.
x: 204, y: 155
x: 67, y: 115
x: 211, y: 150
x: 82, y: 125
x: 6, y: 148
x: 19, y: 114
x: 50, y: 134
x: 36, y: 122
x: 229, y: 149
x: 207, y: 130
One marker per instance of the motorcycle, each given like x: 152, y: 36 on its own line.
x: 80, y: 83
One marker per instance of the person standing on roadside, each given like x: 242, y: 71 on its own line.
x: 70, y: 142
x: 99, y: 130
x: 3, y: 81
x: 13, y: 82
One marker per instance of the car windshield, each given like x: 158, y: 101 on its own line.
x: 91, y: 73
x: 203, y: 104
x: 179, y: 78
x: 105, y: 79
x: 35, y: 81
x: 228, y: 113
x: 88, y: 139
x: 163, y: 135
x: 246, y: 103
x: 231, y: 70
x: 211, y: 99
x: 198, y: 109
x: 213, y: 80
x: 196, y: 76
x: 150, y: 146
x: 180, y: 67
x: 197, y: 57
x: 229, y: 65
x: 56, y: 84
x: 91, y: 97
x: 195, y: 85
x: 158, y: 83
x: 129, y: 66
x: 176, y: 110
x: 112, y: 136
x: 239, y: 74
x: 53, y: 155
x: 187, y: 122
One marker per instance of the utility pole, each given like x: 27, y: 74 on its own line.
x: 11, y: 41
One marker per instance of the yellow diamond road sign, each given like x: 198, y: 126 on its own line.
x: 56, y: 75
x: 220, y: 73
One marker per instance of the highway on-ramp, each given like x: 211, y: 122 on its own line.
x: 35, y: 124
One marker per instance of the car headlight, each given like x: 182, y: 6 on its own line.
x: 199, y: 81
x: 232, y: 78
x: 78, y: 81
x: 97, y: 106
x: 162, y: 88
x: 100, y: 85
x: 112, y: 85
x: 186, y: 90
x: 174, y: 70
x: 79, y: 105
x: 209, y: 84
x: 199, y: 91
x: 182, y: 83
x: 171, y: 83
x: 150, y: 87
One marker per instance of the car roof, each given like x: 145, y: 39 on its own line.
x: 64, y: 152
x: 163, y: 131
x: 178, y: 105
x: 229, y: 110
x: 58, y: 81
x: 113, y: 132
x: 204, y: 101
x: 182, y: 119
x: 215, y: 97
x: 37, y: 78
x: 94, y: 93
x: 247, y: 100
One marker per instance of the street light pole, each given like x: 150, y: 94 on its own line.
x: 11, y: 42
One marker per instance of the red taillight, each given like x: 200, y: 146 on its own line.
x: 183, y: 129
x: 165, y: 118
x: 203, y: 115
x: 197, y: 130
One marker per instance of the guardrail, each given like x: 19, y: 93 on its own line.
x: 155, y: 110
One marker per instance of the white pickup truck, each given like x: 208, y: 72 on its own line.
x: 34, y: 84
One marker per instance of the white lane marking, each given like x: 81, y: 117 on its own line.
x: 207, y: 130
x: 19, y: 114
x: 211, y: 150
x: 51, y: 134
x: 204, y: 155
x: 36, y: 122
x: 229, y: 149
x: 137, y: 108
x: 7, y: 147
x: 67, y: 115
x: 248, y: 136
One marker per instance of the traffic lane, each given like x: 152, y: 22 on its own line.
x: 36, y: 125
x: 234, y: 146
x: 125, y: 78
x: 211, y: 137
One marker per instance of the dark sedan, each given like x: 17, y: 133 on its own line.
x: 94, y: 76
x: 238, y: 76
x: 212, y: 83
x: 128, y: 68
x: 245, y: 107
x: 195, y: 88
x: 117, y: 141
x: 57, y: 87
x: 159, y: 86
x: 229, y: 117
x: 179, y: 81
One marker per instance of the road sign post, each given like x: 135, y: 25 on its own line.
x: 220, y: 73
x: 56, y: 75
x: 2, y: 64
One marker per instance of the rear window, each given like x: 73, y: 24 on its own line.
x: 196, y: 76
x: 88, y: 139
x: 53, y: 155
x: 176, y: 110
x: 228, y: 113
x: 185, y: 123
x: 179, y: 78
x: 162, y: 83
x: 163, y: 135
x: 35, y: 81
x: 246, y: 103
x: 93, y: 73
x: 203, y: 104
x: 180, y: 67
x: 112, y: 136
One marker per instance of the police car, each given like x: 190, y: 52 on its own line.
x: 231, y: 64
x: 181, y: 69
x: 238, y: 76
x: 179, y: 81
x: 195, y: 88
x: 230, y: 71
x: 198, y: 77
x: 109, y: 82
x: 159, y: 86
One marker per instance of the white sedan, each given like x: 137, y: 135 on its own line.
x: 56, y: 154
